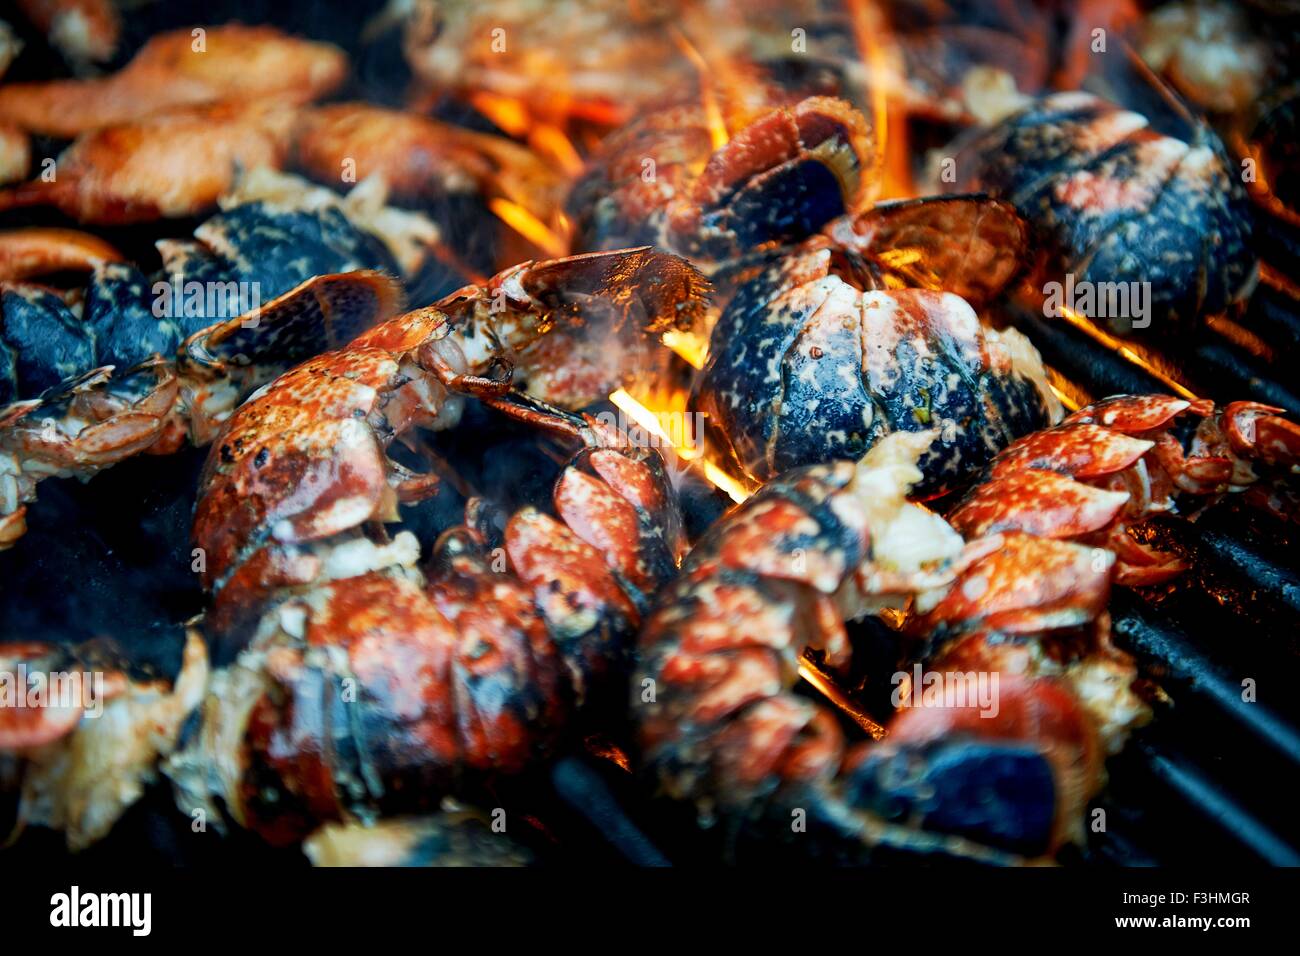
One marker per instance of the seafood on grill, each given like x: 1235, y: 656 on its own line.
x: 419, y: 157
x: 132, y: 363
x: 167, y: 165
x: 606, y: 62
x: 84, y: 31
x: 602, y: 62
x: 1096, y: 475
x: 1017, y: 768
x: 344, y: 407
x: 183, y: 68
x: 869, y: 328
x: 1114, y: 203
x: 180, y: 162
x: 85, y: 754
x: 787, y: 168
x: 392, y: 685
x: 773, y: 580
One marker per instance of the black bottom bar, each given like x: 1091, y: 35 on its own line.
x: 671, y: 907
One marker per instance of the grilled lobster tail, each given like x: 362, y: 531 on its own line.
x: 360, y: 682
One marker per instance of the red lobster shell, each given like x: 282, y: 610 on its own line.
x: 361, y: 684
x: 1109, y: 465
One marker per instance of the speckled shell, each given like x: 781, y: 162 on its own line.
x: 312, y: 750
x: 1113, y: 201
x: 44, y: 342
x: 41, y: 343
x: 1113, y: 463
x: 474, y: 673
x: 724, y: 644
x: 807, y: 367
x: 469, y: 665
x: 727, y: 635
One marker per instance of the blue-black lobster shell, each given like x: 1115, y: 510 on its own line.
x: 43, y: 342
x: 1111, y: 200
x: 805, y: 366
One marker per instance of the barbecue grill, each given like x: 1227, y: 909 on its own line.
x: 111, y: 559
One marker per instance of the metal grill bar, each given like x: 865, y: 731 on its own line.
x: 1218, y: 807
x: 1190, y: 671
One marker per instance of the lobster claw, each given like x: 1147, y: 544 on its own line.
x: 1258, y: 432
x: 652, y: 291
x: 1077, y: 449
x: 1041, y: 503
x: 582, y: 326
x: 1136, y: 414
x: 624, y: 507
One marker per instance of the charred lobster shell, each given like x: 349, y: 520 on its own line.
x: 825, y: 350
x: 1113, y: 201
x: 789, y: 168
x: 360, y: 683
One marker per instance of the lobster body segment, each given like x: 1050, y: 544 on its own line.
x: 766, y: 590
x: 468, y: 665
x: 821, y: 353
x: 775, y: 577
x: 1114, y: 202
x: 787, y: 170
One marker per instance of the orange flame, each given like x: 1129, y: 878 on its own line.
x: 666, y: 426
x: 512, y: 116
x: 1128, y: 352
x: 871, y: 35
x: 718, y: 132
x: 507, y: 112
x: 720, y: 479
x: 551, y: 142
x: 824, y: 683
x: 684, y: 445
x: 691, y: 348
x: 529, y: 226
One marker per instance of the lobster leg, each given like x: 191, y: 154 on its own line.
x: 1110, y: 465
x: 97, y: 419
